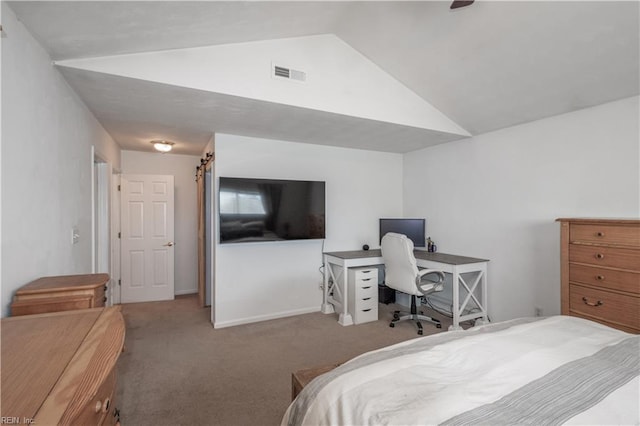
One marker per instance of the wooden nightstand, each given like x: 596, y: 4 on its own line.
x: 301, y: 378
x: 60, y: 293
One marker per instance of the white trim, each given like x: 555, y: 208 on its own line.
x: 115, y: 241
x: 93, y: 209
x: 102, y: 228
x: 266, y: 317
x: 187, y: 291
x: 2, y: 302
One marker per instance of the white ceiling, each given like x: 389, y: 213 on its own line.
x: 487, y: 66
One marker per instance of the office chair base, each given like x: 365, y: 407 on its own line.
x: 414, y: 317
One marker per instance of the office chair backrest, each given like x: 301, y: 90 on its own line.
x: 400, y: 265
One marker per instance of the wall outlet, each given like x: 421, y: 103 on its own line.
x: 538, y: 311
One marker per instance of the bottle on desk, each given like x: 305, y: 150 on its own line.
x: 431, y: 247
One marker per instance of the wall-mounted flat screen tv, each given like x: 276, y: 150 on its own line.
x: 254, y: 210
x: 414, y: 229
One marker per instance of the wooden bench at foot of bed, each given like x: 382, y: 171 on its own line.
x: 301, y: 378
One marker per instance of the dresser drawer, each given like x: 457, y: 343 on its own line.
x: 605, y: 256
x: 51, y: 304
x: 626, y: 281
x: 605, y: 234
x: 100, y: 297
x: 100, y: 405
x: 611, y: 307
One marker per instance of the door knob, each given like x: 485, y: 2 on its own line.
x: 169, y: 244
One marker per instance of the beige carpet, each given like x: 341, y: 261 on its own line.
x: 178, y: 370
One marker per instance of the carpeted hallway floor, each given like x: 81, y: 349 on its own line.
x: 178, y: 370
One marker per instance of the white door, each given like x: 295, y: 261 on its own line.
x: 147, y: 238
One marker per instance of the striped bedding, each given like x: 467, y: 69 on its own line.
x: 556, y: 370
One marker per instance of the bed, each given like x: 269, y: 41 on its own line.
x: 556, y: 370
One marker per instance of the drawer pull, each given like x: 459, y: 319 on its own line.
x: 105, y: 288
x: 599, y: 256
x: 365, y: 272
x: 366, y: 288
x: 105, y: 405
x: 600, y: 277
x: 104, y: 299
x: 366, y: 279
x: 599, y: 234
x: 586, y: 302
x: 366, y: 310
x: 367, y: 298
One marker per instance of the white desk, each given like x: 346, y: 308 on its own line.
x: 334, y: 298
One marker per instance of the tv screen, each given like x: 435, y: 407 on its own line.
x: 270, y: 210
x: 414, y: 229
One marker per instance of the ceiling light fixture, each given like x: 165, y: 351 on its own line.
x: 162, y: 146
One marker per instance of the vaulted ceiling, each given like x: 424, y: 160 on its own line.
x: 484, y: 67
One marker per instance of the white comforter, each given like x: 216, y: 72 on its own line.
x: 503, y: 373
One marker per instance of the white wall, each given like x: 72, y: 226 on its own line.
x: 257, y: 281
x: 47, y: 135
x: 183, y: 168
x: 497, y: 196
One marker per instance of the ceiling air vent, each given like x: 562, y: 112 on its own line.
x: 284, y: 72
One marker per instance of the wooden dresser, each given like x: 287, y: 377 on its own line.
x: 59, y: 368
x: 60, y: 293
x: 600, y: 271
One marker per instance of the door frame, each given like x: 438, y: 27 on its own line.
x: 115, y: 238
x: 101, y: 216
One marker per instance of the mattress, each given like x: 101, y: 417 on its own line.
x: 538, y: 371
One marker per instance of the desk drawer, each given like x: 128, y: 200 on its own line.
x: 365, y: 315
x: 366, y: 290
x: 605, y: 256
x: 605, y: 234
x: 368, y: 273
x: 612, y: 279
x: 366, y: 303
x: 363, y: 294
x: 611, y: 307
x: 366, y: 282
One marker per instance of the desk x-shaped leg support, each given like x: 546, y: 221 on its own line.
x: 335, y: 292
x: 480, y: 279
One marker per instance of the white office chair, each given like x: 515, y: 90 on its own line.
x: 402, y: 274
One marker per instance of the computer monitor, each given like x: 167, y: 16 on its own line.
x: 414, y: 229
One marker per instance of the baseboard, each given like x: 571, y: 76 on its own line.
x: 259, y: 318
x: 187, y: 291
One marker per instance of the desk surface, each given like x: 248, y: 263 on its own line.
x: 450, y: 259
